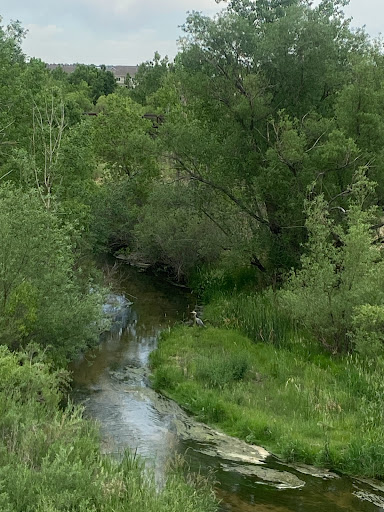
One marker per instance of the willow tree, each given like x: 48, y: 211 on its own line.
x: 256, y: 122
x: 338, y: 291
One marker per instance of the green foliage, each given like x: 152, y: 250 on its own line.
x: 122, y: 137
x: 100, y: 81
x: 222, y: 363
x: 224, y: 278
x: 11, y: 88
x: 255, y: 121
x: 258, y: 316
x: 298, y: 402
x: 180, y: 241
x: 41, y: 298
x: 167, y: 377
x: 222, y: 369
x: 368, y: 329
x: 115, y: 207
x: 337, y: 280
x: 148, y: 78
x: 246, y: 127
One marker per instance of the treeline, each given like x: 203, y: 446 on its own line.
x: 252, y: 160
x: 54, y: 198
x: 258, y: 170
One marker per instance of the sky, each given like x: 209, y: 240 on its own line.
x: 126, y: 32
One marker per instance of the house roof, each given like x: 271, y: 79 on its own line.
x: 68, y: 68
x: 123, y: 70
x: 116, y: 70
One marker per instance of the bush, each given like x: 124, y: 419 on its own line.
x: 42, y: 299
x: 340, y: 286
x: 368, y: 330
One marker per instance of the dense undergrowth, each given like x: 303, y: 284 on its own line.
x: 50, y: 459
x: 284, y: 393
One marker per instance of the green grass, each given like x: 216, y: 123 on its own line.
x: 209, y: 282
x: 300, y: 403
x: 258, y: 316
x: 50, y: 459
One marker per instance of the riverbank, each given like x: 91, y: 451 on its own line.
x: 301, y: 404
x: 50, y: 457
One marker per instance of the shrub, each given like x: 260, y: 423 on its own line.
x: 340, y: 285
x: 42, y: 299
x: 368, y: 329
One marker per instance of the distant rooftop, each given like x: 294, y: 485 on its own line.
x: 118, y: 71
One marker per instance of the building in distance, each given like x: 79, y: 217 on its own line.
x: 120, y: 72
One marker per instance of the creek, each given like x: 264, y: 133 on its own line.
x: 112, y: 381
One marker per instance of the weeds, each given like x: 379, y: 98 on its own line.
x: 50, y: 459
x: 220, y: 370
x: 301, y: 404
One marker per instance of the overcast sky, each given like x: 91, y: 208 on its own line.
x: 125, y: 32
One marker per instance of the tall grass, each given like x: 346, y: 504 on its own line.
x: 257, y: 316
x: 50, y: 459
x: 301, y: 404
x: 209, y: 282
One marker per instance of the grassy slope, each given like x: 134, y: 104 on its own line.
x: 50, y: 459
x: 301, y: 405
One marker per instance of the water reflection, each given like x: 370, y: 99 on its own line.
x: 112, y: 381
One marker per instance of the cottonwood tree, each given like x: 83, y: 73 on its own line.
x: 123, y: 137
x: 48, y: 130
x: 257, y: 107
x: 100, y: 81
x: 149, y: 78
x: 12, y: 64
x: 256, y: 117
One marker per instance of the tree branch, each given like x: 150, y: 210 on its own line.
x: 227, y: 193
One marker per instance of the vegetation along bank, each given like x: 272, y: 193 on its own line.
x: 251, y: 169
x: 295, y: 400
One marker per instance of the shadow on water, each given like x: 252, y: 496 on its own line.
x: 113, y: 383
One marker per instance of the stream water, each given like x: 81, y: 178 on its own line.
x: 112, y: 382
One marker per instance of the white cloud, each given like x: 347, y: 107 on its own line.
x: 121, y: 16
x: 107, y: 31
x: 369, y: 13
x: 148, y: 7
x: 54, y: 45
x: 141, y: 44
x: 43, y: 31
x: 125, y: 31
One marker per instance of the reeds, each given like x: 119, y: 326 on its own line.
x: 258, y: 316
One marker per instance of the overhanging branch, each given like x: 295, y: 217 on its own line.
x: 197, y: 177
